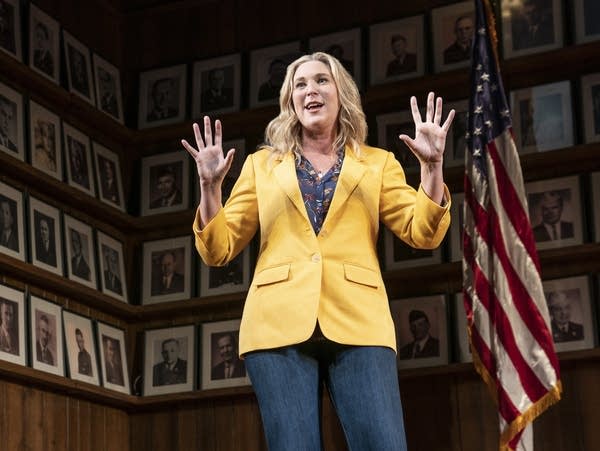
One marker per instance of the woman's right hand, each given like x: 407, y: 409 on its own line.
x: 212, y: 166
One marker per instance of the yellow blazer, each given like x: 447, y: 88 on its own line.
x: 333, y: 277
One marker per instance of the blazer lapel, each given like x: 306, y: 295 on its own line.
x: 285, y: 173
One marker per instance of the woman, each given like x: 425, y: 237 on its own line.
x: 317, y: 310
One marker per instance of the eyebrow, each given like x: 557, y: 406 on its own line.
x: 320, y: 74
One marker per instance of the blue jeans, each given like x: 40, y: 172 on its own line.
x: 362, y: 383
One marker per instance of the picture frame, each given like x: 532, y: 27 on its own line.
x: 267, y: 72
x: 569, y: 307
x: 113, y: 281
x: 13, y: 341
x: 80, y: 257
x: 10, y: 37
x: 399, y: 255
x: 12, y: 222
x: 462, y: 344
x: 531, y: 26
x: 542, y: 117
x: 344, y: 45
x: 45, y: 236
x: 590, y: 97
x: 45, y: 321
x: 78, y: 160
x: 108, y: 88
x: 12, y: 125
x: 44, y: 44
x: 389, y: 127
x: 108, y: 176
x: 555, y: 209
x: 165, y: 183
x: 169, y: 360
x: 167, y: 270
x: 220, y: 344
x: 456, y: 141
x: 44, y: 140
x: 586, y: 24
x: 80, y: 346
x: 456, y: 226
x: 236, y: 166
x: 113, y: 358
x: 595, y: 196
x: 429, y: 314
x: 231, y: 278
x: 162, y: 96
x: 80, y: 80
x: 453, y: 28
x: 397, y: 50
x: 217, y: 84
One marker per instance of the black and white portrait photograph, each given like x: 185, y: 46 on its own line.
x: 555, y: 212
x: 234, y: 277
x: 169, y: 360
x: 456, y: 226
x: 216, y: 86
x: 79, y: 244
x: 590, y: 96
x: 79, y: 68
x: 12, y: 228
x: 221, y: 365
x: 596, y: 205
x: 462, y: 346
x: 569, y: 307
x: 397, y: 50
x: 11, y: 122
x: 165, y: 183
x: 421, y: 331
x: 162, y: 96
x: 587, y: 25
x: 112, y: 267
x: 389, y: 127
x: 267, y: 71
x: 456, y: 141
x: 46, y: 336
x: 108, y: 176
x: 13, y: 341
x: 399, y: 255
x: 453, y: 29
x: 44, y: 44
x: 531, y: 26
x: 113, y: 357
x: 82, y: 361
x: 44, y: 140
x: 108, y: 88
x: 344, y: 45
x: 45, y: 236
x: 78, y: 159
x: 167, y: 270
x: 10, y: 28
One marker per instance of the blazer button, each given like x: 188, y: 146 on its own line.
x: 316, y: 258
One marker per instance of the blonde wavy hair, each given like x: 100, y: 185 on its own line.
x: 284, y: 133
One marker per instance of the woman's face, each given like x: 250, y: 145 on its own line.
x: 315, y: 97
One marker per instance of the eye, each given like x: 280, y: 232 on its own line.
x: 322, y: 80
x: 299, y: 84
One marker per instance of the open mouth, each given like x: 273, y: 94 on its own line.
x: 313, y: 106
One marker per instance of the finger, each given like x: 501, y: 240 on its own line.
x: 229, y: 159
x: 193, y: 152
x: 416, y: 114
x: 198, y: 136
x: 208, y: 131
x: 429, y: 113
x: 437, y: 117
x: 448, y: 121
x: 218, y: 133
x: 407, y: 140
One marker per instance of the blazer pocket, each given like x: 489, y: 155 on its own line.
x: 272, y: 275
x: 361, y: 275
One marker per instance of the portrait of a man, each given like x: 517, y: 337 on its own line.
x: 44, y: 153
x: 78, y: 71
x: 219, y: 92
x: 163, y: 96
x: 9, y: 329
x: 423, y: 344
x: 112, y: 271
x: 228, y: 363
x: 337, y: 51
x: 562, y: 325
x: 76, y: 152
x: 167, y: 276
x: 8, y: 124
x: 460, y: 49
x: 532, y: 24
x: 270, y: 88
x: 113, y: 371
x: 173, y: 368
x: 43, y: 59
x: 45, y: 245
x: 166, y: 191
x: 9, y: 231
x: 84, y: 359
x: 552, y: 225
x: 107, y: 88
x: 45, y: 344
x: 79, y: 264
x: 108, y: 180
x: 404, y: 61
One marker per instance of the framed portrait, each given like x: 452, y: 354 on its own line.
x: 162, y: 96
x: 587, y: 26
x: 13, y: 342
x: 79, y: 244
x: 44, y: 44
x: 267, y: 72
x: 596, y: 204
x: 555, y: 212
x: 108, y: 176
x: 78, y: 155
x: 45, y: 320
x: 531, y: 26
x: 462, y: 345
x: 590, y: 96
x: 44, y: 140
x: 169, y: 360
x: 113, y: 357
x: 542, y: 117
x: 165, y: 183
x: 45, y: 236
x: 108, y: 88
x: 456, y: 226
x: 571, y: 319
x: 453, y: 28
x: 112, y: 267
x: 221, y: 365
x: 346, y: 46
x: 12, y: 228
x: 82, y: 361
x: 421, y: 331
x: 400, y: 255
x: 79, y: 68
x: 10, y: 28
x: 167, y: 270
x: 231, y: 278
x: 397, y: 50
x: 216, y: 86
x: 456, y: 141
x: 389, y: 127
x: 11, y: 122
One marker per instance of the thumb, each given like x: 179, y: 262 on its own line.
x: 408, y: 141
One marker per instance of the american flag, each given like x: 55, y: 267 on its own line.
x: 506, y: 310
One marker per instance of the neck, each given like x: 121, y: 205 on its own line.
x: 315, y: 143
